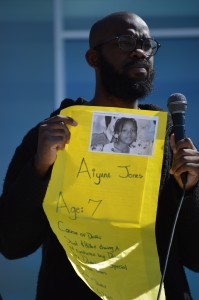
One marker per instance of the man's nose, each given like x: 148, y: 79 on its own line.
x: 139, y: 53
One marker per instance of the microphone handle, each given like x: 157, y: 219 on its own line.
x: 179, y: 131
x: 178, y: 126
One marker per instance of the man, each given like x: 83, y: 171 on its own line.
x: 121, y: 53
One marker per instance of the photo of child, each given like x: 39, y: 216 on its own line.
x: 123, y: 134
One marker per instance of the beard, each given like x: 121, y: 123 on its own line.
x: 122, y: 85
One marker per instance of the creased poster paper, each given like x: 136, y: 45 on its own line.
x: 102, y: 205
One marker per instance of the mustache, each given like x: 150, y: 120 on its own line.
x: 137, y: 64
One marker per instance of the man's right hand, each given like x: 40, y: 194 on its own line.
x: 53, y: 136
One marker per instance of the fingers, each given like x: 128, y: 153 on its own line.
x: 60, y: 119
x: 185, y: 163
x: 184, y: 153
x: 185, y: 143
x: 172, y: 143
x: 53, y: 135
x: 54, y: 130
x: 185, y: 159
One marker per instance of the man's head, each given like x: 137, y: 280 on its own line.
x: 121, y: 51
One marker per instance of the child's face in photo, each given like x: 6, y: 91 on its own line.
x: 128, y: 133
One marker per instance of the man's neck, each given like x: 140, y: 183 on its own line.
x: 114, y: 102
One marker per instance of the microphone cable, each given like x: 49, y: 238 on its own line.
x: 170, y: 241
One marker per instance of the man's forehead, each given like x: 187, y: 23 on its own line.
x: 128, y: 26
x: 118, y: 24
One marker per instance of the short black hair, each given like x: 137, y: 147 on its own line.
x: 120, y: 123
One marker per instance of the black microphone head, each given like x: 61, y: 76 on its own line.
x: 177, y: 103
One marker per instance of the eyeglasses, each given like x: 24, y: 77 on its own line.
x: 129, y: 43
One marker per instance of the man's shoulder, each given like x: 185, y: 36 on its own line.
x: 150, y: 107
x: 67, y: 102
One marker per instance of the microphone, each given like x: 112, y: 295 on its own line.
x: 177, y: 105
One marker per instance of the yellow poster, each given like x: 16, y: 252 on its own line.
x: 101, y: 200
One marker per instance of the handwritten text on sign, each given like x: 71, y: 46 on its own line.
x: 102, y: 206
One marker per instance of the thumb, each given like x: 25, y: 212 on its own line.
x: 172, y: 143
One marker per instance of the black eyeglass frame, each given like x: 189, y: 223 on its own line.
x: 132, y: 37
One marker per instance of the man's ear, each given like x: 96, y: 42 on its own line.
x: 92, y: 58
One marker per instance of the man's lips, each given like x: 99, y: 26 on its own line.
x: 137, y: 69
x: 139, y: 66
